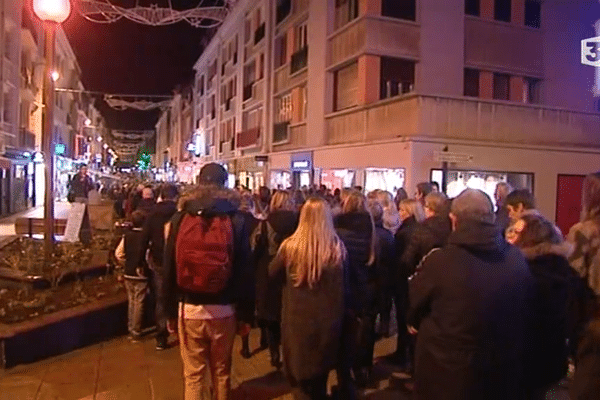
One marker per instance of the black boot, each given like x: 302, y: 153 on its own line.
x: 245, y: 352
x: 264, y: 342
x: 275, y: 358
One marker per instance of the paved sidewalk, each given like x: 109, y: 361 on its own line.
x: 120, y: 370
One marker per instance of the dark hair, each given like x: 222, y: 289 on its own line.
x: 435, y: 184
x: 264, y: 194
x: 537, y: 230
x: 401, y: 195
x: 138, y: 218
x: 520, y: 196
x: 169, y: 191
x: 424, y: 188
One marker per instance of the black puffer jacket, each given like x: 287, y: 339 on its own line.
x: 281, y: 225
x: 548, y: 350
x: 430, y: 234
x: 356, y: 231
x: 385, y: 251
x: 154, y: 230
x: 402, y: 239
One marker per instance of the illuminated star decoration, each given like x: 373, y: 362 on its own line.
x: 102, y: 11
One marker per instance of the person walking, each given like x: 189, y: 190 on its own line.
x: 80, y: 186
x: 153, y: 242
x: 546, y: 253
x: 209, y: 281
x: 280, y: 223
x: 356, y: 229
x: 470, y: 303
x: 310, y: 266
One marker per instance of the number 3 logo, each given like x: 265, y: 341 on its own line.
x: 590, y: 51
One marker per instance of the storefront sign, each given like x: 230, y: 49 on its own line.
x: 301, y: 161
x: 445, y: 156
x: 59, y: 149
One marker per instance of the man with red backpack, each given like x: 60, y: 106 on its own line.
x: 209, y: 280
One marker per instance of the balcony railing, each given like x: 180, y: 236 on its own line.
x: 259, y: 33
x: 459, y: 118
x: 281, y: 132
x: 299, y: 60
x: 283, y: 10
x: 248, y: 138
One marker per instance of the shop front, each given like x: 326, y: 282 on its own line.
x: 65, y: 170
x: 338, y: 178
x: 302, y: 169
x: 251, y: 172
x: 388, y: 179
x: 185, y: 171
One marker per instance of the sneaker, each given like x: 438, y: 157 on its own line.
x: 134, y: 338
x: 161, y: 345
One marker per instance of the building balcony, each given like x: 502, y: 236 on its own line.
x: 416, y: 115
x: 281, y: 132
x: 375, y: 35
x: 248, y: 138
x: 253, y: 93
x: 284, y: 80
x: 299, y: 60
x: 296, y: 138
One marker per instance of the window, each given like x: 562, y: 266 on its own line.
x: 345, y: 11
x: 502, y: 10
x: 201, y: 85
x: 251, y: 119
x: 471, y: 86
x: 284, y: 7
x: 472, y: 7
x: 533, y: 13
x: 532, y: 91
x: 283, y: 108
x: 346, y: 87
x: 300, y: 56
x: 501, y: 87
x: 401, y: 9
x: 397, y: 77
x: 261, y: 66
x: 280, y: 51
x: 300, y: 37
x: 247, y: 29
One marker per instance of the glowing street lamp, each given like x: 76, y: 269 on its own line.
x: 52, y: 13
x: 55, y: 76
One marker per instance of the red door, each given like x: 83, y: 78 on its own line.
x: 568, y: 201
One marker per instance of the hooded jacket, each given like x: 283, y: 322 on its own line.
x: 266, y: 239
x: 240, y: 289
x: 154, y: 230
x: 547, y: 358
x: 470, y: 302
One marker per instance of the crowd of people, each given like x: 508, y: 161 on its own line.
x: 491, y: 302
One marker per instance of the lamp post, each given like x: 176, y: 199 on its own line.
x: 52, y: 13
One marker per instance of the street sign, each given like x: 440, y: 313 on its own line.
x: 445, y: 156
x: 74, y: 222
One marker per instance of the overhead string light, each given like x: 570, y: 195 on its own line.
x: 104, y: 12
x: 141, y: 105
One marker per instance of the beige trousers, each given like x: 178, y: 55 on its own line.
x: 207, y: 342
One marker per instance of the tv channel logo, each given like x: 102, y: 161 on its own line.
x: 590, y: 51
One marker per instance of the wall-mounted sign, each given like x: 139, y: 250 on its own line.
x: 59, y: 149
x: 300, y: 164
x: 301, y: 161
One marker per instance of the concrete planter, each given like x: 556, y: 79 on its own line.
x: 63, y: 331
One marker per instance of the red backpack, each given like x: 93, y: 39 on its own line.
x: 204, y: 253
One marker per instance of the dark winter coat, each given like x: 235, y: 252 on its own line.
x: 402, y: 239
x: 430, y: 234
x: 586, y: 381
x: 356, y: 230
x: 133, y: 253
x: 385, y: 260
x: 502, y: 219
x: 470, y: 302
x: 154, y: 230
x: 240, y: 289
x: 266, y: 241
x: 146, y: 206
x: 311, y: 321
x: 80, y: 185
x: 548, y: 351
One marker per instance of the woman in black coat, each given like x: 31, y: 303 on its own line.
x: 546, y: 253
x: 266, y: 239
x: 411, y: 214
x: 356, y: 229
x: 310, y: 267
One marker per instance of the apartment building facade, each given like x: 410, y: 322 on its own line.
x: 388, y: 93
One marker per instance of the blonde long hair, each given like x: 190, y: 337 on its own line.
x: 314, y: 245
x: 413, y: 208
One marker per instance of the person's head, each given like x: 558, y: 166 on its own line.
x: 533, y: 229
x: 247, y: 203
x: 590, y: 197
x: 435, y: 187
x: 299, y: 198
x: 214, y: 174
x: 502, y: 190
x: 435, y: 204
x: 281, y: 200
x: 376, y: 210
x: 517, y: 202
x: 400, y: 196
x: 83, y: 170
x: 423, y: 189
x: 337, y: 192
x: 411, y: 208
x: 472, y: 205
x: 147, y: 193
x: 138, y: 218
x: 264, y: 193
x: 169, y: 192
x: 314, y: 245
x: 354, y: 202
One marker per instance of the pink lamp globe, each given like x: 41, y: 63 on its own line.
x: 52, y: 10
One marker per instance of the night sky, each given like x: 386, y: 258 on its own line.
x: 125, y: 57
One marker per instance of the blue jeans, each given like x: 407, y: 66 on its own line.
x: 136, y: 294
